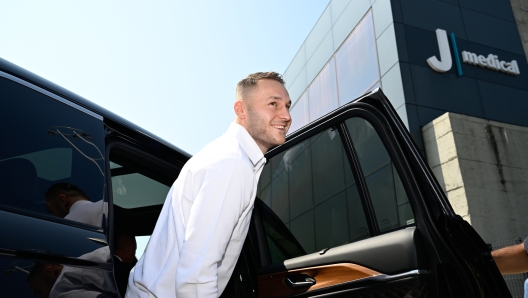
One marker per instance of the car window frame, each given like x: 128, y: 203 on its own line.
x: 337, y: 120
x: 110, y: 144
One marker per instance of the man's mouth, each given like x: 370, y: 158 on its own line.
x: 281, y: 127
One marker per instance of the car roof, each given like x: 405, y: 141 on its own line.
x: 17, y: 71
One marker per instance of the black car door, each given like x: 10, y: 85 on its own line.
x: 50, y: 141
x: 348, y: 208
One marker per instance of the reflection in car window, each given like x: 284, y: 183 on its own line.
x: 50, y: 143
x: 389, y: 198
x: 312, y: 190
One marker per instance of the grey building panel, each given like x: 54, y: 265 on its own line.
x: 399, y: 30
x: 396, y: 11
x: 298, y: 86
x: 431, y: 15
x: 492, y: 31
x: 318, y: 33
x: 295, y: 67
x: 427, y: 115
x: 414, y: 125
x: 391, y: 83
x: 348, y: 20
x: 504, y: 104
x: 455, y: 2
x: 497, y: 8
x: 446, y: 92
x: 320, y: 57
x: 402, y: 113
x: 407, y: 81
x: 337, y: 8
x: 387, y: 50
x: 382, y: 12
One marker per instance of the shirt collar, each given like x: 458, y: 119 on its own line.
x: 247, y: 143
x: 78, y: 204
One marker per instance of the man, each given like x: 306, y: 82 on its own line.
x: 204, y: 221
x: 59, y: 281
x: 124, y: 259
x: 512, y: 259
x: 69, y: 202
x: 42, y: 278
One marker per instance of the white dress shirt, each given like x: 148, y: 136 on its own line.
x: 87, y: 212
x: 204, y: 222
x: 78, y: 282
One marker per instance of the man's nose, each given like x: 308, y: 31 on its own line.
x: 285, y: 114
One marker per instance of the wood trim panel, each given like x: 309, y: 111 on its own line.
x: 272, y: 285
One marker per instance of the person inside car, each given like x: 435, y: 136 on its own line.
x: 68, y: 201
x: 56, y: 280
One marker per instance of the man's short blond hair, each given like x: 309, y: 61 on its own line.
x: 246, y: 85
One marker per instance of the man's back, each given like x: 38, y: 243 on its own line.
x: 205, y: 218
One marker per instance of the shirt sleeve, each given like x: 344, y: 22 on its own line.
x: 223, y: 192
x: 525, y: 243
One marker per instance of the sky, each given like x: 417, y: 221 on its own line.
x: 170, y: 67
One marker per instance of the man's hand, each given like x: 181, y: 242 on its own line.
x: 511, y: 259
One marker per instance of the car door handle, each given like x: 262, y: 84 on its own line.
x: 299, y: 281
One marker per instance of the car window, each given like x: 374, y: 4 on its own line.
x: 312, y: 190
x: 49, y: 145
x: 389, y: 199
x: 140, y: 184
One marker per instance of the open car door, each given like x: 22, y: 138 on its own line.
x: 348, y: 208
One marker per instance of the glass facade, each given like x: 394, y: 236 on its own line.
x: 352, y: 71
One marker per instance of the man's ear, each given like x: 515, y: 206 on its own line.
x: 240, y: 109
x: 62, y: 199
x: 48, y: 270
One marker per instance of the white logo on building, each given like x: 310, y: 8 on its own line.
x: 445, y: 63
x: 491, y: 62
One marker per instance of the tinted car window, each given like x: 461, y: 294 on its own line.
x: 390, y: 201
x: 48, y: 142
x: 312, y: 190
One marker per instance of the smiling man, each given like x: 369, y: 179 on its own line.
x: 205, y: 219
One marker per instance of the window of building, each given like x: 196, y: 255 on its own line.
x: 49, y: 143
x: 322, y: 93
x: 357, y: 63
x: 299, y: 113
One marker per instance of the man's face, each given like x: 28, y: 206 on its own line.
x: 42, y: 283
x: 56, y: 207
x: 268, y: 114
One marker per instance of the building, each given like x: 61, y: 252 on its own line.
x: 457, y: 74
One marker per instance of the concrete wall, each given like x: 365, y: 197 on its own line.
x: 483, y: 167
x: 520, y: 11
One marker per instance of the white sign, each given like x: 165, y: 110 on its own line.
x: 445, y: 63
x: 492, y: 62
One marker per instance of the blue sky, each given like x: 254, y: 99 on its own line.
x: 169, y: 66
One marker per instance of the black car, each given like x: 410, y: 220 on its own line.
x: 346, y: 207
